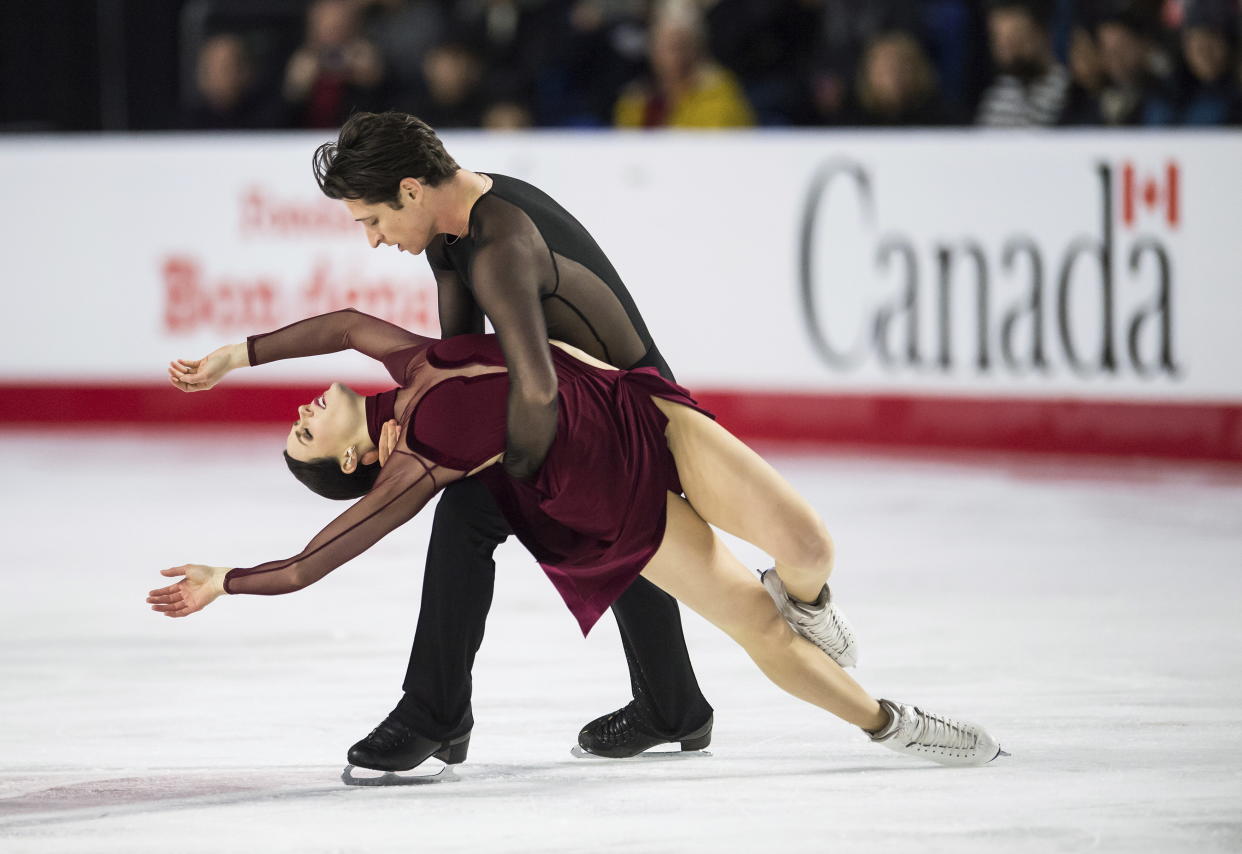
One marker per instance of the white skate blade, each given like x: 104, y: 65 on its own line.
x: 653, y: 755
x: 414, y: 777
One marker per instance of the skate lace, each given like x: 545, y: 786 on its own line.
x: 828, y: 630
x: 937, y: 731
x: 389, y: 734
x: 616, y: 727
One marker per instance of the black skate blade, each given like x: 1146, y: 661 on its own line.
x: 646, y: 756
x: 444, y: 774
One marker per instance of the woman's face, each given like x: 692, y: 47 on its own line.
x: 327, y: 425
x: 1084, y: 60
x: 1207, y: 53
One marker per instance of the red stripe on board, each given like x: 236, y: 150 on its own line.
x: 1162, y: 429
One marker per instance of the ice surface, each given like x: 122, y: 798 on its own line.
x: 1086, y: 612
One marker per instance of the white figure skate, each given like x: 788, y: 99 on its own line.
x: 912, y: 731
x: 820, y: 622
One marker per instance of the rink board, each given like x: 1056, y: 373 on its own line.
x: 1068, y: 292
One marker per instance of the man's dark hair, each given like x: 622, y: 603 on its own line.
x: 324, y: 477
x: 374, y: 151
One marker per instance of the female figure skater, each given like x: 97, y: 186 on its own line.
x: 604, y: 507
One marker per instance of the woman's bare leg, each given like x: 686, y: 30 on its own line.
x: 695, y: 567
x: 735, y: 489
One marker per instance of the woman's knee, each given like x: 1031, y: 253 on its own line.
x: 810, y: 546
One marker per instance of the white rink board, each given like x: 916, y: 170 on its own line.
x: 123, y: 252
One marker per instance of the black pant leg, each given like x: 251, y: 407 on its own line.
x: 457, y: 594
x: 661, y: 675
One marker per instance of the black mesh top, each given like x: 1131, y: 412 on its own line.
x: 536, y: 273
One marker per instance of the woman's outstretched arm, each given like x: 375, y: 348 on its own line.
x: 347, y: 329
x: 404, y: 487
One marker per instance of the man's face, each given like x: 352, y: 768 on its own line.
x: 410, y: 228
x: 1123, y: 53
x: 675, y: 52
x: 223, y: 72
x: 1018, y: 43
x: 1206, y: 52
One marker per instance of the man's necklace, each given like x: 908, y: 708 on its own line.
x: 450, y: 239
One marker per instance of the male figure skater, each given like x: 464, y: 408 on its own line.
x: 503, y: 249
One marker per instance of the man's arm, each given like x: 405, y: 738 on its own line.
x: 459, y: 313
x: 506, y: 275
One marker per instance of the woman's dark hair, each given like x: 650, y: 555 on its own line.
x: 374, y: 151
x: 324, y: 477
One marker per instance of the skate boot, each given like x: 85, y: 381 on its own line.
x: 912, y: 731
x: 394, y: 746
x: 820, y: 622
x: 625, y: 733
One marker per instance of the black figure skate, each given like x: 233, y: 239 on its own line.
x: 393, y: 747
x: 625, y: 733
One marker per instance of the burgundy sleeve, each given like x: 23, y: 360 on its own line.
x: 404, y: 487
x: 347, y: 329
x: 507, y: 275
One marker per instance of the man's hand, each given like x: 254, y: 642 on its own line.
x: 198, y: 589
x: 389, y: 434
x: 202, y: 374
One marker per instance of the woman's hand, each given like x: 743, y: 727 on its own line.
x: 202, y: 374
x: 389, y: 434
x: 198, y: 589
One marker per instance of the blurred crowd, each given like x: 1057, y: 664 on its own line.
x: 722, y: 63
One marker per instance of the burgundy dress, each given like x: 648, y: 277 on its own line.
x: 594, y: 513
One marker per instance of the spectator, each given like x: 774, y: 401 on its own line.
x: 1209, y: 48
x: 518, y: 42
x: 452, y: 75
x: 403, y: 31
x: 1031, y: 88
x: 507, y: 115
x: 953, y: 34
x: 1083, y: 105
x: 605, y: 48
x: 768, y: 45
x: 226, y: 97
x: 687, y: 88
x: 897, y: 86
x: 846, y: 28
x: 1136, y: 86
x: 335, y: 71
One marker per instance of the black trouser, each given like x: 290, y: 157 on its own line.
x: 457, y: 593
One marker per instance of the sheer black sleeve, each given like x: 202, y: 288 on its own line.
x: 508, y: 274
x: 404, y: 487
x: 459, y: 313
x: 330, y: 333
